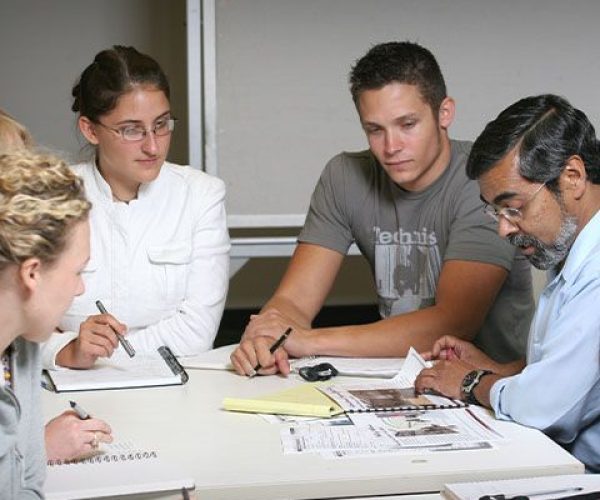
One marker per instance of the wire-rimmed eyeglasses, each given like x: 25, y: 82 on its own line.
x: 512, y: 215
x: 134, y: 133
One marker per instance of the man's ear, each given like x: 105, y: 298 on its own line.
x: 88, y: 129
x: 446, y: 112
x: 29, y: 274
x: 573, y: 178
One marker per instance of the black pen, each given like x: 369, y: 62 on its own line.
x: 122, y: 340
x: 81, y: 413
x: 278, y: 343
x: 538, y: 493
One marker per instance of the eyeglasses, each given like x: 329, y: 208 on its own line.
x: 512, y: 215
x: 134, y: 133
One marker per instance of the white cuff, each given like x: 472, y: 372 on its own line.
x: 52, y: 346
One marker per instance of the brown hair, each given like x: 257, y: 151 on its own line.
x: 113, y: 73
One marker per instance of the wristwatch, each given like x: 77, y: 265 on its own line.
x: 469, y: 383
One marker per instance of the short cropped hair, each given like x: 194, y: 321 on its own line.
x: 40, y: 200
x: 399, y: 62
x: 546, y: 131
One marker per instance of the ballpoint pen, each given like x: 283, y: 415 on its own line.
x: 276, y: 345
x: 556, y: 491
x: 122, y: 340
x: 81, y: 413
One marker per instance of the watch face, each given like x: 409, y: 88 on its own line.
x: 468, y: 380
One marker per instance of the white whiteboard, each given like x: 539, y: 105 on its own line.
x: 277, y: 107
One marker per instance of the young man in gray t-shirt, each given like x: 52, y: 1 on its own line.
x: 439, y: 266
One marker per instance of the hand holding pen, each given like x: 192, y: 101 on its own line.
x: 99, y: 335
x: 122, y: 340
x: 75, y: 433
x: 276, y: 345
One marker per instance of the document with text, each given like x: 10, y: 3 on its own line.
x: 405, y: 432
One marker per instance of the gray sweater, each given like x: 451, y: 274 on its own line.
x: 22, y: 452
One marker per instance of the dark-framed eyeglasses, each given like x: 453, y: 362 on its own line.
x: 135, y: 133
x: 512, y: 215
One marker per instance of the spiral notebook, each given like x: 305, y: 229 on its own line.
x: 115, y: 471
x: 121, y: 372
x: 361, y: 398
x: 396, y: 394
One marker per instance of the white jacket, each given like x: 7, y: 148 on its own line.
x: 159, y: 264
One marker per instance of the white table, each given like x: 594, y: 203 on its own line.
x: 238, y: 456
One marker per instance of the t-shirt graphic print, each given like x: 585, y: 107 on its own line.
x: 407, y: 268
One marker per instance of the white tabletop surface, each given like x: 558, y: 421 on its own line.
x: 239, y: 456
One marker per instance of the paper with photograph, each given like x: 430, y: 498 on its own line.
x: 407, y: 432
x: 389, y: 395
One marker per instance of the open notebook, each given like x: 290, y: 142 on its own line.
x: 218, y: 359
x: 117, y: 470
x: 121, y: 372
x: 390, y: 395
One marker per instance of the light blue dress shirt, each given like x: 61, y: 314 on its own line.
x: 559, y: 389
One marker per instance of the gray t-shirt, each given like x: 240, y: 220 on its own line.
x: 406, y: 237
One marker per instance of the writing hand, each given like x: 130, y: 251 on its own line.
x: 68, y: 437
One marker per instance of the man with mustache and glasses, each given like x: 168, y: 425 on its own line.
x: 538, y: 168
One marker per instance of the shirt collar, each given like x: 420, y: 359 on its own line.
x: 144, y: 191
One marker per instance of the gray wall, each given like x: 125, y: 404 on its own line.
x: 282, y: 65
x: 45, y: 45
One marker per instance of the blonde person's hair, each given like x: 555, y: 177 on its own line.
x: 13, y: 135
x: 40, y: 200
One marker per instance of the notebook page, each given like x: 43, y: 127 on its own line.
x: 117, y: 469
x: 119, y: 371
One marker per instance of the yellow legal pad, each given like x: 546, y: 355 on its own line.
x: 303, y: 400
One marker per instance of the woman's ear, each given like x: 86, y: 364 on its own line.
x: 29, y: 274
x: 88, y: 129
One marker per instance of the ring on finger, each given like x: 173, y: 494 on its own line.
x: 95, y: 442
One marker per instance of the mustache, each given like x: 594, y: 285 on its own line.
x: 522, y: 240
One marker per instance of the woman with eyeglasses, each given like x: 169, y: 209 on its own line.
x: 159, y: 242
